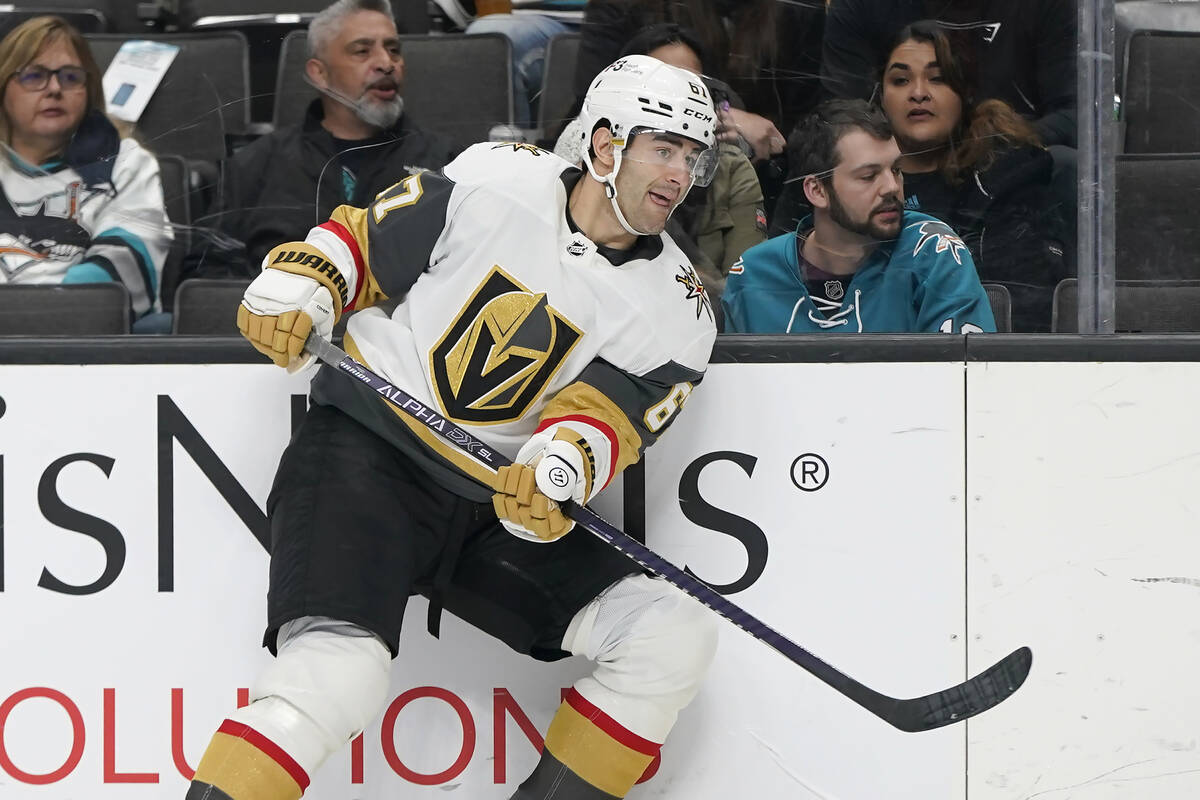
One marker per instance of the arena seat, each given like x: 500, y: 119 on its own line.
x: 1001, y: 301
x: 85, y: 20
x: 1157, y: 227
x: 455, y: 85
x: 202, y: 98
x: 88, y: 309
x: 558, y: 85
x: 1151, y: 15
x: 208, y: 306
x: 173, y: 171
x: 1160, y: 97
x: 1142, y: 307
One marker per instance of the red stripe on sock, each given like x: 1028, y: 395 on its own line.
x: 339, y: 230
x: 272, y: 750
x: 609, y: 725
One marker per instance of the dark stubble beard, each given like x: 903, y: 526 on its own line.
x: 868, y: 228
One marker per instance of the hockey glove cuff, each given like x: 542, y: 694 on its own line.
x: 278, y: 312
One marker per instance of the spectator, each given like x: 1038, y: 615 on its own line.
x: 714, y: 224
x: 765, y: 50
x: 81, y: 204
x: 977, y: 166
x: 529, y: 33
x: 1025, y: 50
x: 355, y: 141
x: 861, y: 262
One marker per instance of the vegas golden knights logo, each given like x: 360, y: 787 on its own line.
x: 500, y: 352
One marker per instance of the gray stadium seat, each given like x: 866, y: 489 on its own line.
x: 1160, y: 96
x: 173, y: 172
x: 1001, y: 302
x: 558, y: 84
x: 202, y: 98
x: 196, y: 10
x: 208, y: 306
x: 454, y: 84
x: 1151, y: 15
x: 85, y: 20
x: 121, y: 16
x: 90, y: 309
x: 1142, y: 307
x: 1157, y: 224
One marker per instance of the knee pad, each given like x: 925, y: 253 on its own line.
x: 652, y: 645
x: 326, y: 684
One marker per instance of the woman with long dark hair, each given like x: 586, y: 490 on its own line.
x: 979, y: 166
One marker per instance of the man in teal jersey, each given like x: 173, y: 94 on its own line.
x: 859, y: 263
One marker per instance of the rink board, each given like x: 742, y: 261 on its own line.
x: 908, y: 522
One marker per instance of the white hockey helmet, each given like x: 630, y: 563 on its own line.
x: 638, y: 93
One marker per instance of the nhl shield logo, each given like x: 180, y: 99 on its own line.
x: 834, y: 290
x: 576, y: 248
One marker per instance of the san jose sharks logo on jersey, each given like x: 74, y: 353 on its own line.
x: 943, y: 237
x: 500, y: 352
x: 695, y: 289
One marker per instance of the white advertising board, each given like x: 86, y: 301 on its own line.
x: 832, y: 501
x: 1084, y: 523
x: 112, y: 688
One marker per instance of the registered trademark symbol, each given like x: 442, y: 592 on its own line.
x: 810, y: 472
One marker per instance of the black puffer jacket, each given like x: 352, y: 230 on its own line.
x: 1009, y: 220
x: 271, y: 192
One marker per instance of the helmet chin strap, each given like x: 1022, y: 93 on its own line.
x: 610, y: 189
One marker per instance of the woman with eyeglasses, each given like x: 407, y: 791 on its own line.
x: 81, y: 204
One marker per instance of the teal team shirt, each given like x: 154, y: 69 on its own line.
x: 924, y: 282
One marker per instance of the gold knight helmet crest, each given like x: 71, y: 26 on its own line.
x: 500, y: 352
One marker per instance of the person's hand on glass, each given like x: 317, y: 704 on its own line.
x: 759, y: 134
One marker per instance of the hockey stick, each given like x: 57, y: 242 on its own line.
x: 915, y: 714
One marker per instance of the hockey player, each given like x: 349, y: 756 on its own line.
x: 860, y: 263
x: 541, y: 307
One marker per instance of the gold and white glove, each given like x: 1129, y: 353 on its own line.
x: 278, y: 312
x: 547, y: 471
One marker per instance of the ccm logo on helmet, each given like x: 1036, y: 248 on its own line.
x: 700, y: 115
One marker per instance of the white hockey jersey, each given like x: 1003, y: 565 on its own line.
x: 57, y: 228
x: 509, y: 320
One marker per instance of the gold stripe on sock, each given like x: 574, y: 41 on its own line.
x: 592, y: 754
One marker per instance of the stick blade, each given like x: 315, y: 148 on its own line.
x: 987, y: 689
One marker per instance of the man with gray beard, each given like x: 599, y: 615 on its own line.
x: 355, y: 141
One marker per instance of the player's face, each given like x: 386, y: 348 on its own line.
x: 654, y: 177
x: 363, y: 63
x: 921, y: 106
x: 866, y: 193
x: 50, y: 114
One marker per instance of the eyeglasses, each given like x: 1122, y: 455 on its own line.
x: 35, y: 77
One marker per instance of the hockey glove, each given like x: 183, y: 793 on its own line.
x: 546, y: 472
x: 279, y: 310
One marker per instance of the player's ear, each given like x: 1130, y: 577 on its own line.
x: 314, y: 68
x: 602, y: 150
x: 815, y: 191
